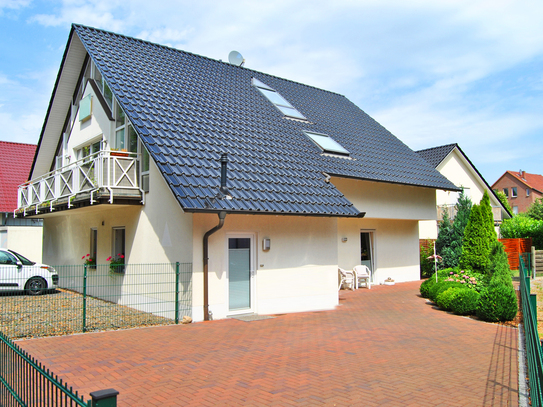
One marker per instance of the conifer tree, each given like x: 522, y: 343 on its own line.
x: 476, y: 243
x: 488, y: 217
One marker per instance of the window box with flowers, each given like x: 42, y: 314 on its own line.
x: 116, y: 264
x: 89, y: 261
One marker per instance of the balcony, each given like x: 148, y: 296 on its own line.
x: 451, y: 210
x: 103, y: 177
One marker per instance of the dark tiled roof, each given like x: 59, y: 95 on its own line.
x: 189, y: 109
x: 435, y: 155
x: 15, y: 162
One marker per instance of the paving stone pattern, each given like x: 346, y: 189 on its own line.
x: 384, y: 346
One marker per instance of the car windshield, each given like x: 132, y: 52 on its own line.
x: 23, y: 259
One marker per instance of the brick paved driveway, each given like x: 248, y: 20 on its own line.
x: 384, y: 346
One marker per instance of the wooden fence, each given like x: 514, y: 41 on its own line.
x: 514, y: 248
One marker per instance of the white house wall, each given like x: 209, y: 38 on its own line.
x: 395, y: 247
x: 298, y: 273
x: 457, y: 170
x: 388, y: 201
x: 26, y: 240
x: 82, y: 133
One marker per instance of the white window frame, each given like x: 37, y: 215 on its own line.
x: 316, y: 137
x: 514, y: 193
x: 283, y: 105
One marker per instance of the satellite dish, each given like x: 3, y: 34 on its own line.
x: 235, y: 58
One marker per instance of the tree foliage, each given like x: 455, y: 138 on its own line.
x: 488, y: 216
x: 476, y: 243
x: 449, y: 239
x: 535, y: 211
x: 523, y: 226
x: 503, y: 199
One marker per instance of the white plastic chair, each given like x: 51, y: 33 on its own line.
x: 346, y: 278
x: 362, y: 273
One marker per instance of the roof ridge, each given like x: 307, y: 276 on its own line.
x: 202, y: 56
x: 436, y: 147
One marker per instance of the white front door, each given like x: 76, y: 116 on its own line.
x: 240, y: 274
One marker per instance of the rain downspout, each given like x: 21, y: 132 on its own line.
x: 222, y: 215
x: 223, y: 192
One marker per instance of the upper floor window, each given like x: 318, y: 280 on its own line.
x: 527, y: 191
x: 514, y: 192
x: 515, y: 210
x: 506, y: 192
x: 88, y: 150
x: 126, y: 138
x: 279, y: 101
x: 327, y: 143
x: 102, y: 84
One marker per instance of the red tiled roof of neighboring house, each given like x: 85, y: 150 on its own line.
x: 15, y: 162
x: 534, y: 181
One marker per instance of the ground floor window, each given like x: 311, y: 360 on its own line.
x: 93, y: 246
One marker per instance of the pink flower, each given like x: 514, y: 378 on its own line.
x: 462, y: 271
x: 82, y: 257
x: 108, y: 259
x: 121, y: 256
x: 451, y: 272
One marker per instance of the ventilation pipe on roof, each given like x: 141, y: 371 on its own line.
x: 224, y: 188
x: 222, y: 215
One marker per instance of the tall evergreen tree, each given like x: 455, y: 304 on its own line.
x: 488, y: 217
x: 450, y: 249
x: 503, y: 199
x: 476, y: 243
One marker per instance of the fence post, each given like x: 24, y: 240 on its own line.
x: 177, y: 292
x: 533, y: 305
x: 104, y: 398
x: 85, y: 299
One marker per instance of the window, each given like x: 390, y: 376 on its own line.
x: 106, y: 91
x: 126, y: 138
x: 515, y: 210
x: 93, y: 246
x: 506, y: 192
x: 7, y: 258
x: 514, y: 192
x: 279, y: 101
x: 527, y: 191
x: 118, y: 242
x: 144, y: 168
x: 326, y: 143
x: 85, y: 108
x: 90, y: 149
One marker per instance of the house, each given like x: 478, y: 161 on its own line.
x: 19, y: 234
x: 521, y: 188
x: 453, y: 163
x: 265, y: 185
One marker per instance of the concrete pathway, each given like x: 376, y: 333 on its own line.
x: 384, y: 346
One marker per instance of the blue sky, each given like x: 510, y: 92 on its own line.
x: 433, y: 73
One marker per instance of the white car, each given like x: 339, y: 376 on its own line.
x: 18, y: 273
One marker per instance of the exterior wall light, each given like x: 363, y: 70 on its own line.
x: 344, y: 239
x: 266, y: 244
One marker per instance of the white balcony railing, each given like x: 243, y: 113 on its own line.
x: 109, y: 171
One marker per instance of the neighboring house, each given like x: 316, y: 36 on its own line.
x: 21, y: 235
x: 452, y: 163
x: 521, y: 189
x: 130, y: 161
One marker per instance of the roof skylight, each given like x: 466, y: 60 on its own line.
x: 326, y: 143
x: 279, y: 101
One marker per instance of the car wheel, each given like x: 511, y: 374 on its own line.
x: 36, y: 286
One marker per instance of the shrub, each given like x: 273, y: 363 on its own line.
x: 439, y: 287
x: 464, y: 301
x: 469, y: 279
x: 499, y: 264
x: 444, y: 298
x: 535, y: 211
x: 497, y: 302
x: 426, y: 285
x: 503, y: 199
x: 522, y: 226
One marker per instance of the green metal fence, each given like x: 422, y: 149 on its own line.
x: 26, y: 382
x: 534, y: 352
x: 95, y: 298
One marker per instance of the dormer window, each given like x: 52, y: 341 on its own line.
x: 279, y: 101
x: 327, y: 144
